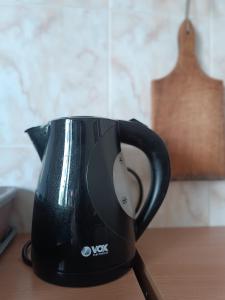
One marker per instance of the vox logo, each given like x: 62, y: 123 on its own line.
x: 95, y: 250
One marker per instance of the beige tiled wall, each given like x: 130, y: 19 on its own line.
x: 97, y: 57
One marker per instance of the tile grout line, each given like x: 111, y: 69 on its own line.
x: 109, y: 60
x: 212, y: 7
x: 43, y: 4
x: 210, y: 37
x: 150, y: 12
x: 15, y: 146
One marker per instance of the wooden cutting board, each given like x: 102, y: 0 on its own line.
x: 188, y: 113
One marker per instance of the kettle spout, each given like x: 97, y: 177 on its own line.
x: 39, y: 137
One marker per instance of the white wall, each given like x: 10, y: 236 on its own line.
x: 96, y: 57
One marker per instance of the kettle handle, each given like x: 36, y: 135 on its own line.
x: 137, y: 134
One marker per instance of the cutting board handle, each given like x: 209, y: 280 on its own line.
x: 186, y: 40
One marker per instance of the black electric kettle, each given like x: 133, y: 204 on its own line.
x: 84, y: 227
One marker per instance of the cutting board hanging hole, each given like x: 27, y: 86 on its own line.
x: 187, y: 47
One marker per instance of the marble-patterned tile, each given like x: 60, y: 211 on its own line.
x: 186, y: 204
x: 165, y: 7
x: 217, y: 203
x: 130, y: 67
x: 22, y: 211
x: 218, y: 9
x: 52, y: 64
x: 19, y: 166
x: 217, y: 45
x: 144, y: 49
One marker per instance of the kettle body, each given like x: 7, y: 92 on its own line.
x: 84, y: 226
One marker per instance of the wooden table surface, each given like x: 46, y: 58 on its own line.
x: 184, y: 264
x: 18, y: 282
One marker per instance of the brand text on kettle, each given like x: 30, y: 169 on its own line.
x: 95, y: 250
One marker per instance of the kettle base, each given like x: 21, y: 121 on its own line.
x: 83, y: 279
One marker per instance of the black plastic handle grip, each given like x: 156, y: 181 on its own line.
x: 137, y: 134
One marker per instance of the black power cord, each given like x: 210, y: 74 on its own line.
x: 140, y: 188
x: 25, y: 256
x: 26, y: 248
